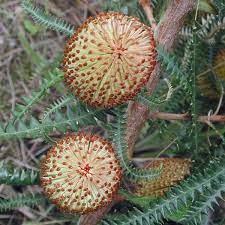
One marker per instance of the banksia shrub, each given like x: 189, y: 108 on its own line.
x: 106, y: 63
x: 80, y: 173
x: 109, y: 59
x: 174, y: 170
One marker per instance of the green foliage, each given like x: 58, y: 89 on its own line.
x: 56, y: 106
x: 188, y: 53
x: 142, y: 201
x: 14, y: 176
x: 211, y: 179
x: 48, y: 21
x: 193, y: 54
x: 154, y: 101
x: 51, y: 81
x: 61, y: 122
x: 220, y: 6
x: 20, y: 201
x: 118, y: 135
x: 170, y: 62
x: 210, y: 26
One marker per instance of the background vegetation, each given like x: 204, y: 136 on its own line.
x: 186, y: 120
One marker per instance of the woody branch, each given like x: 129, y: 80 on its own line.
x: 167, y: 32
x: 186, y: 117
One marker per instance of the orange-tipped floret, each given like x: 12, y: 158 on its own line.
x: 80, y: 173
x: 109, y: 59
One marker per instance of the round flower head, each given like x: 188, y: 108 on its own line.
x: 80, y: 173
x: 109, y: 59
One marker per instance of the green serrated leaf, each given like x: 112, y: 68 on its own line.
x: 71, y: 116
x: 10, y: 128
x: 34, y: 123
x: 22, y: 126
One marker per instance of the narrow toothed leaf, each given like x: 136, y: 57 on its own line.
x: 20, y: 201
x: 1, y: 128
x: 10, y: 128
x: 48, y: 21
x: 16, y: 176
x: 71, y: 117
x: 26, y: 99
x: 118, y: 135
x: 212, y: 184
x: 22, y: 126
x: 34, y: 123
x: 20, y: 107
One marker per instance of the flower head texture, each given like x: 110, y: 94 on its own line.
x: 109, y: 59
x: 174, y: 170
x: 219, y: 64
x: 80, y: 173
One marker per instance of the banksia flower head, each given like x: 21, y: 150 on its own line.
x: 208, y: 84
x: 109, y: 59
x: 208, y: 87
x: 219, y: 63
x: 174, y: 170
x: 80, y: 173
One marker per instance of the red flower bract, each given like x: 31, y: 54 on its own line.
x: 109, y: 59
x: 80, y: 173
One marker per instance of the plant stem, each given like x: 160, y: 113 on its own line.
x: 186, y: 117
x: 167, y: 31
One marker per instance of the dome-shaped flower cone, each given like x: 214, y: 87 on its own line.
x: 80, y: 173
x: 219, y: 63
x: 174, y: 170
x: 208, y: 87
x: 109, y: 59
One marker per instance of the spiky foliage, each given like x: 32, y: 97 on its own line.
x: 16, y: 176
x: 154, y: 101
x: 48, y: 21
x: 210, y: 26
x: 170, y: 62
x: 33, y: 128
x: 220, y: 6
x: 199, y: 184
x: 20, y: 201
x: 118, y: 135
x: 49, y: 82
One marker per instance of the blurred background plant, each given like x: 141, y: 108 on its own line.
x: 36, y: 108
